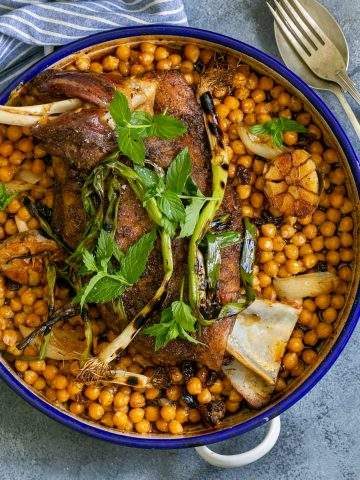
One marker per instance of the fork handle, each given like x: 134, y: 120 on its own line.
x: 348, y: 110
x: 348, y: 85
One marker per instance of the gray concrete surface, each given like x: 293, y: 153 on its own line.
x: 319, y: 439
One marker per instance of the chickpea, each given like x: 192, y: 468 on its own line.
x: 346, y: 224
x: 291, y: 251
x: 309, y: 356
x: 290, y: 138
x: 258, y: 95
x: 204, y: 396
x: 137, y: 399
x: 317, y: 244
x: 271, y: 268
x: 13, y: 133
x: 257, y: 199
x: 265, y: 244
x: 324, y: 330
x: 161, y: 53
x: 293, y: 266
x: 152, y: 413
x: 266, y: 257
x: 269, y: 293
x: 310, y: 338
x: 238, y: 147
x: 96, y: 411
x: 123, y: 52
x: 345, y: 273
x: 247, y: 105
x: 194, y: 386
x: 295, y: 345
x: 136, y: 414
x: 59, y: 382
x: 290, y: 360
x: 231, y: 102
x: 168, y: 412
x: 266, y: 83
x: 346, y: 239
x: 243, y: 191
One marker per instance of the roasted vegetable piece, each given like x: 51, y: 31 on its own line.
x: 21, y: 253
x: 259, y: 337
x: 292, y: 183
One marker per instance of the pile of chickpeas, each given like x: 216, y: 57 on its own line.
x: 319, y: 242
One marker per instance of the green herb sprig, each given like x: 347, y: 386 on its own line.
x: 176, y: 321
x: 133, y: 127
x: 5, y: 197
x: 276, y: 127
x: 170, y: 190
x: 113, y: 270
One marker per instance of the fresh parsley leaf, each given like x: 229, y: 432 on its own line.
x: 276, y: 127
x: 136, y: 257
x: 167, y: 127
x: 178, y: 172
x: 171, y: 205
x: 5, y: 197
x: 176, y: 321
x: 119, y: 109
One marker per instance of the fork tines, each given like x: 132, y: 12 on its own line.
x: 300, y: 28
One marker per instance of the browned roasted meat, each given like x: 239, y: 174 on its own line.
x: 90, y: 87
x: 177, y: 98
x: 211, y: 353
x: 23, y: 253
x: 83, y: 137
x: 68, y: 216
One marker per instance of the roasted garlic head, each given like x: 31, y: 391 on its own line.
x: 292, y: 183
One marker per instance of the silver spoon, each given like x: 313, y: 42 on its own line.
x: 294, y: 62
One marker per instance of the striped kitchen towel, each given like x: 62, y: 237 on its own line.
x: 29, y: 29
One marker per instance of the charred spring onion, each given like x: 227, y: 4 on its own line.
x: 100, y: 365
x: 219, y: 167
x: 247, y: 260
x: 61, y: 314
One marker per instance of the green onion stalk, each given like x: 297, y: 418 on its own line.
x: 98, y: 367
x: 219, y: 168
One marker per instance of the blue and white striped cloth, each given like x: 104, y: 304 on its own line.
x: 29, y: 29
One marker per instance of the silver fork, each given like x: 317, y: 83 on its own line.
x: 312, y: 44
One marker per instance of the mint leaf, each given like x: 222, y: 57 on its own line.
x: 105, y: 246
x: 119, y: 109
x: 89, y: 261
x: 131, y: 145
x: 192, y: 212
x: 167, y: 127
x: 276, y: 127
x: 183, y: 315
x: 175, y: 321
x: 136, y: 257
x: 101, y: 289
x: 5, y: 197
x: 148, y: 177
x: 178, y: 172
x: 171, y: 205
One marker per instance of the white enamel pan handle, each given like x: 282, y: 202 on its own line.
x: 242, y: 459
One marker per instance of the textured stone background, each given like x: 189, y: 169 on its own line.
x: 319, y: 439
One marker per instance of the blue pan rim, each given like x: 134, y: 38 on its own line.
x: 354, y: 163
